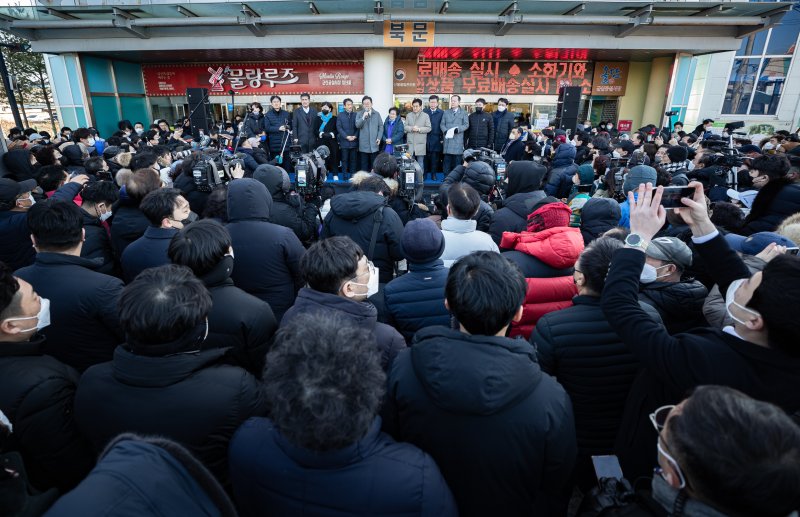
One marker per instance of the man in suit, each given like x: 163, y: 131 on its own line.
x: 303, y: 124
x: 434, y: 140
x: 454, y: 124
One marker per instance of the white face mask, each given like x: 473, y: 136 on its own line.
x: 501, y: 108
x: 92, y: 141
x: 43, y: 316
x: 29, y: 198
x: 372, y: 284
x: 730, y: 300
x: 609, y: 126
x: 104, y: 216
x: 650, y: 274
x: 139, y: 130
x: 769, y: 146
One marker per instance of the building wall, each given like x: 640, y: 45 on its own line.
x: 115, y: 92
x: 631, y: 106
x: 657, y: 89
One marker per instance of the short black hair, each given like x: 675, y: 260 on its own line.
x: 456, y: 96
x: 677, y: 153
x: 595, y: 261
x: 256, y: 105
x: 100, y: 192
x: 151, y: 134
x: 480, y: 99
x: 305, y: 94
x: 163, y: 304
x: 200, y: 246
x: 272, y: 98
x: 56, y: 225
x: 81, y: 133
x: 773, y: 165
x: 385, y: 165
x: 755, y: 470
x: 707, y: 120
x: 502, y: 99
x: 678, y: 123
x: 727, y: 216
x: 463, y: 201
x: 159, y: 204
x: 143, y: 160
x: 217, y: 204
x: 366, y: 97
x: 50, y: 177
x: 160, y: 150
x: 10, y: 298
x: 141, y: 183
x: 416, y: 101
x: 124, y: 124
x: 348, y: 99
x: 484, y: 291
x: 396, y: 111
x: 94, y: 165
x: 323, y: 381
x: 330, y: 262
x: 777, y: 299
x: 374, y: 184
x: 433, y: 97
x: 63, y: 129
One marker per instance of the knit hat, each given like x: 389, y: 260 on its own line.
x: 422, y: 241
x: 586, y: 174
x: 551, y: 215
x: 561, y: 138
x: 637, y: 176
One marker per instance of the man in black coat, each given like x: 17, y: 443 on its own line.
x: 503, y: 123
x: 598, y: 215
x: 165, y: 209
x: 36, y: 391
x: 340, y: 279
x: 85, y: 325
x: 759, y: 355
x: 523, y: 192
x: 128, y: 222
x: 98, y: 198
x: 288, y: 208
x: 161, y: 381
x: 480, y: 176
x: 433, y: 151
x: 303, y: 124
x: 481, y: 128
x: 268, y: 255
x: 348, y: 139
x: 276, y: 125
x: 365, y: 217
x: 237, y: 321
x: 443, y: 396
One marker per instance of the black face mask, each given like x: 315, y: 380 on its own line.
x: 478, y: 109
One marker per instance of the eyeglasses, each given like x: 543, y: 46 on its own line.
x: 659, y: 420
x: 673, y: 464
x: 659, y: 417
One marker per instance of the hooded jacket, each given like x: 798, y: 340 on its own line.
x: 362, y: 314
x: 524, y: 191
x: 598, y: 215
x: 145, y: 476
x: 546, y: 258
x: 187, y: 397
x: 462, y: 238
x: 18, y: 164
x: 373, y: 476
x: 776, y: 201
x: 267, y: 255
x: 559, y: 183
x: 287, y: 209
x: 354, y: 214
x: 482, y: 407
x: 416, y: 299
x: 680, y: 304
x: 254, y: 125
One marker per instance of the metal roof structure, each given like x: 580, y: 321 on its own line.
x: 159, y: 30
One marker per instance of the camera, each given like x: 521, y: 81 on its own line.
x: 180, y: 155
x: 489, y: 157
x: 209, y: 172
x: 724, y: 154
x: 309, y: 168
x: 407, y: 171
x: 671, y: 113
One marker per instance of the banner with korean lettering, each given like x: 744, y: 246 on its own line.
x: 610, y: 78
x: 501, y: 78
x: 254, y: 78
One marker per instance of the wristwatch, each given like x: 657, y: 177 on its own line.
x: 634, y: 240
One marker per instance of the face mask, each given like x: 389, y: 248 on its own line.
x: 769, y: 146
x: 139, y: 131
x: 650, y: 274
x: 92, y: 141
x: 372, y: 284
x: 501, y: 109
x: 105, y: 216
x: 67, y: 136
x: 326, y: 111
x: 478, y: 109
x: 730, y: 300
x: 29, y: 198
x: 609, y: 126
x: 43, y: 316
x: 658, y: 159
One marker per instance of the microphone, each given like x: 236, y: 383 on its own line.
x: 323, y: 152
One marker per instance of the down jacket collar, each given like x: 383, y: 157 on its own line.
x: 557, y: 247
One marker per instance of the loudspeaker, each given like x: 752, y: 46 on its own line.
x: 199, y: 110
x: 567, y: 109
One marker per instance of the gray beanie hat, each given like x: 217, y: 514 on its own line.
x: 638, y: 175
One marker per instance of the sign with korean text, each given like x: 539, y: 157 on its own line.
x: 500, y: 78
x: 254, y: 78
x: 610, y: 78
x: 408, y: 34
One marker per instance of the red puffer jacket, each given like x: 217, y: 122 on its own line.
x: 546, y: 258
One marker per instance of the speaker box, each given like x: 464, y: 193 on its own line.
x: 567, y: 109
x: 199, y: 110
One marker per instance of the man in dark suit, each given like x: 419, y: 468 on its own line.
x: 303, y: 124
x: 434, y: 150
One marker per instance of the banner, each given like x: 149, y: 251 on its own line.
x: 408, y: 34
x: 254, y: 78
x: 498, y: 78
x: 610, y: 78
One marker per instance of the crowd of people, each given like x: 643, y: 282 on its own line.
x: 250, y: 348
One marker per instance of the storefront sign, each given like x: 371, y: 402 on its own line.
x: 498, y: 78
x: 610, y: 78
x: 408, y: 34
x: 255, y: 78
x: 624, y: 125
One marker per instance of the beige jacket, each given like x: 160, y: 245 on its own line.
x: 417, y: 140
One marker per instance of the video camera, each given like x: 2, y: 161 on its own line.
x: 489, y: 157
x: 724, y: 155
x: 211, y: 171
x: 182, y: 154
x: 407, y: 172
x: 309, y: 168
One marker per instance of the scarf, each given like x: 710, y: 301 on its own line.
x: 325, y: 119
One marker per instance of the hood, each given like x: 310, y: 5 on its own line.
x: 73, y: 154
x: 356, y: 205
x: 362, y: 175
x: 565, y: 155
x: 248, y: 199
x: 18, y: 163
x: 270, y: 176
x: 364, y: 314
x: 525, y: 176
x: 473, y: 374
x: 557, y: 247
x: 599, y: 214
x: 522, y: 204
x: 480, y: 176
x: 676, y: 299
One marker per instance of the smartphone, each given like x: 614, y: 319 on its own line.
x: 671, y: 198
x: 792, y: 251
x: 606, y: 467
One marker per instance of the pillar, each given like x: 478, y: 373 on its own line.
x: 631, y: 105
x: 657, y: 91
x: 379, y: 78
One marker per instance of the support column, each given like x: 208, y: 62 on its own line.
x: 379, y: 78
x: 657, y: 90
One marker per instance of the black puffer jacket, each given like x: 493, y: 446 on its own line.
x: 776, y: 201
x: 482, y: 407
x: 480, y: 132
x: 127, y: 224
x: 363, y: 314
x: 503, y: 125
x: 598, y: 215
x: 583, y: 352
x: 36, y: 394
x: 97, y: 244
x: 189, y: 398
x: 354, y: 215
x: 254, y: 125
x: 680, y: 304
x: 480, y: 177
x: 267, y: 255
x: 197, y: 200
x: 524, y: 191
x: 288, y: 209
x: 238, y: 321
